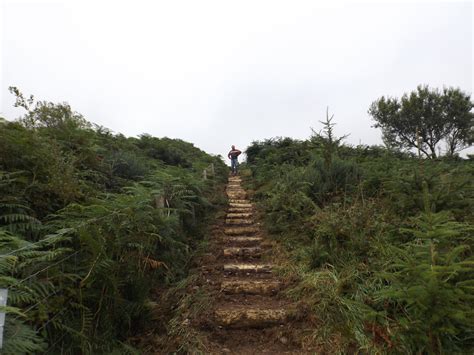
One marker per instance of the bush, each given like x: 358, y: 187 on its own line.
x: 379, y: 243
x: 339, y: 179
x: 91, y: 225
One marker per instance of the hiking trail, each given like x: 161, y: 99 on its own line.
x: 249, y: 316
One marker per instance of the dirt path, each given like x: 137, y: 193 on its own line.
x: 248, y: 315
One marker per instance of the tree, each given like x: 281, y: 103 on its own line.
x: 426, y: 118
x: 330, y: 142
x: 43, y: 114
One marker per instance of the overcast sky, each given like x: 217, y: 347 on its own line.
x: 217, y: 73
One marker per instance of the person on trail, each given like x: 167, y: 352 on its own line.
x: 234, y: 162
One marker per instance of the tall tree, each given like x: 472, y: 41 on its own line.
x: 425, y: 119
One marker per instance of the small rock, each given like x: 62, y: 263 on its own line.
x: 186, y: 321
x: 284, y: 340
x: 196, y: 288
x: 225, y: 350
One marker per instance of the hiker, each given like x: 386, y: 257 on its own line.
x: 234, y: 162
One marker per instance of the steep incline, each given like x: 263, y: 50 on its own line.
x: 249, y: 316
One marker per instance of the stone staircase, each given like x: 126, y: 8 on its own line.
x: 247, y: 284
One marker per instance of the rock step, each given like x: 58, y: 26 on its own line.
x: 235, y: 221
x: 247, y: 267
x: 237, y: 196
x: 245, y: 202
x: 250, y: 317
x: 239, y: 215
x: 239, y: 210
x: 253, y: 287
x: 236, y: 192
x: 240, y: 231
x: 240, y: 205
x: 254, y: 252
x: 244, y: 241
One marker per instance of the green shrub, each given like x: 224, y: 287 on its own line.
x: 380, y: 243
x: 92, y: 223
x: 339, y: 179
x: 431, y: 285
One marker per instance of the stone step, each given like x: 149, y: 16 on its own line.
x: 234, y: 200
x: 247, y: 268
x: 254, y: 252
x: 236, y: 196
x: 237, y: 222
x: 239, y: 210
x: 250, y: 317
x: 236, y: 192
x: 240, y: 205
x: 252, y: 287
x: 240, y: 230
x: 244, y: 241
x: 239, y: 215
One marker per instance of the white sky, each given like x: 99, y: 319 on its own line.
x: 217, y: 73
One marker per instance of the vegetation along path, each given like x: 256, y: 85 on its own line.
x: 248, y: 313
